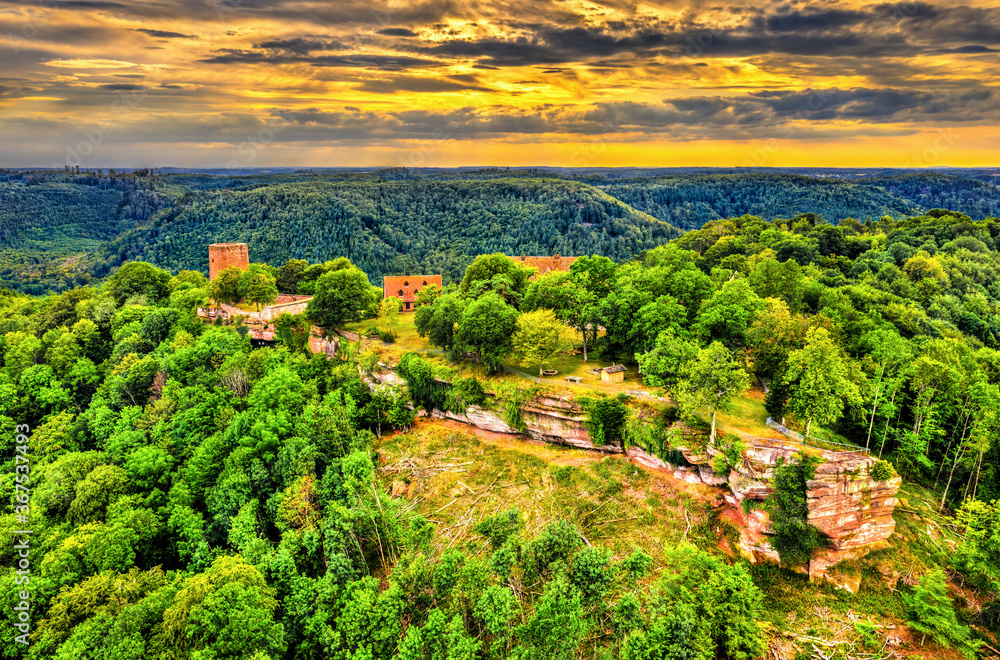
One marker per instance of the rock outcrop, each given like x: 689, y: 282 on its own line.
x: 853, y: 510
x: 552, y: 419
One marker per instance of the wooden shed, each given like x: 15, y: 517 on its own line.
x: 613, y: 374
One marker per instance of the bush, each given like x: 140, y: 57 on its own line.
x: 387, y: 337
x: 606, y: 419
x: 882, y: 471
x: 732, y: 449
x: 794, y: 538
x: 868, y: 633
x: 464, y: 392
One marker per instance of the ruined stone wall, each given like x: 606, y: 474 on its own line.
x: 546, y: 265
x: 224, y: 255
x: 272, y: 312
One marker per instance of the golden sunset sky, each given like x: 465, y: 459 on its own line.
x: 294, y: 83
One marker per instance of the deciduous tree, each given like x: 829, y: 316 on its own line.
x: 540, y: 337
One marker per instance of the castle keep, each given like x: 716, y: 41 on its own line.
x: 223, y: 255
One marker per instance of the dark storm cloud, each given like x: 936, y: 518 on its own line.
x: 413, y: 84
x: 878, y: 31
x: 353, y: 61
x: 121, y: 87
x: 164, y: 34
x: 299, y: 46
x: 806, y: 21
x: 716, y: 117
x: 973, y: 49
x: 396, y: 32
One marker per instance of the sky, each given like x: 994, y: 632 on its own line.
x: 447, y: 83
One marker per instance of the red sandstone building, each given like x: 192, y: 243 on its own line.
x: 224, y: 255
x: 546, y: 265
x: 406, y: 288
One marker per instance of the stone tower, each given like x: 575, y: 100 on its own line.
x: 224, y: 255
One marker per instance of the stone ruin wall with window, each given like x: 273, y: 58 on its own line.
x: 406, y: 288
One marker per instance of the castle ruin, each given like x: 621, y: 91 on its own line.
x: 546, y: 265
x: 225, y: 255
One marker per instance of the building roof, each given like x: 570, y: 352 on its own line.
x: 615, y: 369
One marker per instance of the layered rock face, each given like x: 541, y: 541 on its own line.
x: 845, y: 503
x: 547, y: 418
x: 850, y: 507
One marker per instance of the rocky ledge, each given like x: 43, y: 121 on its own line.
x: 845, y: 503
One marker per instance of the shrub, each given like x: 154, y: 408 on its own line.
x: 606, y: 419
x: 868, y: 633
x: 882, y: 471
x: 794, y: 538
x: 510, y: 399
x: 732, y: 449
x: 555, y: 544
x: 464, y: 392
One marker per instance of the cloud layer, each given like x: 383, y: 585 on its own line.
x: 322, y: 82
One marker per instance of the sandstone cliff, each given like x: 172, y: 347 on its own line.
x: 845, y: 503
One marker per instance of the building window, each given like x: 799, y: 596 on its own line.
x: 425, y: 282
x: 407, y: 305
x: 400, y: 293
x: 406, y: 284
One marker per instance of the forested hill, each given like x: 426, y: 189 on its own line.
x: 394, y: 226
x: 63, y: 229
x: 689, y: 201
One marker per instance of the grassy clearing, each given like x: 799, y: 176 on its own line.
x: 571, y: 365
x: 455, y: 479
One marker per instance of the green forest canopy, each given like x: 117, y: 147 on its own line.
x: 193, y: 497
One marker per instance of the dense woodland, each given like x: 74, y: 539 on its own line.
x: 64, y: 229
x: 194, y: 497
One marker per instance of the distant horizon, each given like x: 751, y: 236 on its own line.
x: 378, y: 168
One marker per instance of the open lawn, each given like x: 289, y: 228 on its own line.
x: 455, y: 477
x: 746, y: 415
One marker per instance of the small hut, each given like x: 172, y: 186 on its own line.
x: 613, y: 374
